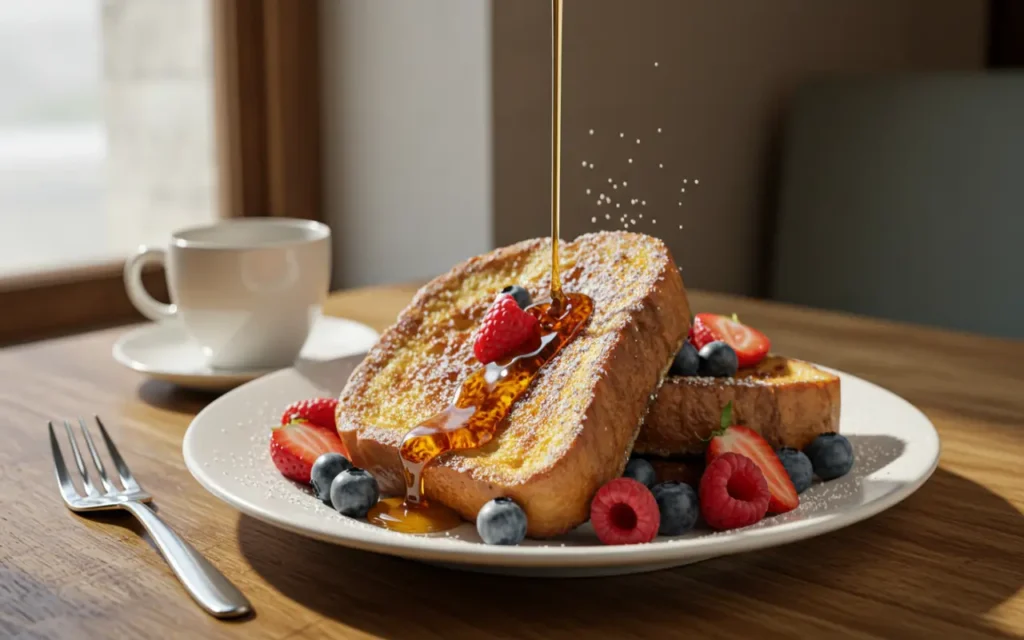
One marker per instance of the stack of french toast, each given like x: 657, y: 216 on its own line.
x: 608, y: 397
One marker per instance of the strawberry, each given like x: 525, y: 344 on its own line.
x: 751, y: 346
x: 294, y: 448
x: 733, y: 492
x: 624, y: 511
x: 732, y: 438
x: 506, y: 330
x: 317, y: 411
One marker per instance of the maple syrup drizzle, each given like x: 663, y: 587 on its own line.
x: 487, y: 395
x: 483, y: 401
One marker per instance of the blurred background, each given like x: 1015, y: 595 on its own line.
x: 855, y: 155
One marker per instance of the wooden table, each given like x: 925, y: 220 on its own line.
x: 946, y: 563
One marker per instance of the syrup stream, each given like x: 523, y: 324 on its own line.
x: 557, y: 297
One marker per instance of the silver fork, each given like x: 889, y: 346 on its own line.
x: 208, y: 586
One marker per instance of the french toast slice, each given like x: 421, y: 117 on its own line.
x: 789, y: 402
x: 572, y: 430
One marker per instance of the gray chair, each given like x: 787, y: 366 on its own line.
x: 903, y: 197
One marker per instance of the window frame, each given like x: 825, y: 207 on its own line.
x: 266, y: 62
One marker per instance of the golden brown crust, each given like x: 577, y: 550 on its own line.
x: 572, y: 430
x: 789, y: 402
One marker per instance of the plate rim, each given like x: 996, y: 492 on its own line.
x: 664, y: 550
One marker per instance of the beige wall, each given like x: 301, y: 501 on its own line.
x: 726, y: 70
x: 406, y: 136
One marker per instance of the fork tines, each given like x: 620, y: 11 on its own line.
x: 129, y: 486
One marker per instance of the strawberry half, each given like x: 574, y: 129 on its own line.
x: 745, y: 441
x: 318, y: 411
x: 294, y: 448
x: 507, y: 330
x: 751, y: 346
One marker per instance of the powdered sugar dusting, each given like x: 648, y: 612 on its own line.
x: 416, y: 369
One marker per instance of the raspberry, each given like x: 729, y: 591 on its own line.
x: 625, y: 512
x: 506, y: 330
x: 733, y: 492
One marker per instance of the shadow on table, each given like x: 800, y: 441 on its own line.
x: 170, y: 397
x: 891, y: 575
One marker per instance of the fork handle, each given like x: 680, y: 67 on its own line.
x: 207, y: 586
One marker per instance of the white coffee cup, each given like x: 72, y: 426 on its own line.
x: 247, y: 289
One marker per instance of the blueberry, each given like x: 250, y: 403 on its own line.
x: 325, y: 470
x: 641, y: 471
x: 354, y: 492
x: 798, y: 466
x: 521, y: 295
x: 677, y: 502
x: 686, y: 362
x: 718, y: 359
x: 501, y: 521
x: 831, y: 455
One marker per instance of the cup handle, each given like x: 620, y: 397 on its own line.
x: 145, y: 303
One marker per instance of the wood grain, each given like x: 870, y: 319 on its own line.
x: 948, y: 562
x: 47, y: 304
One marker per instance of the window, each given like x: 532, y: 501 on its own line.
x: 106, y: 135
x: 123, y: 120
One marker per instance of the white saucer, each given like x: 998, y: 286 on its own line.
x: 226, y: 450
x: 165, y: 351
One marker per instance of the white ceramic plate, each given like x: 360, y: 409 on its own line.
x: 165, y: 351
x: 226, y: 449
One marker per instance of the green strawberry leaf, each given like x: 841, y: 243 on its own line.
x: 724, y: 423
x: 726, y: 420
